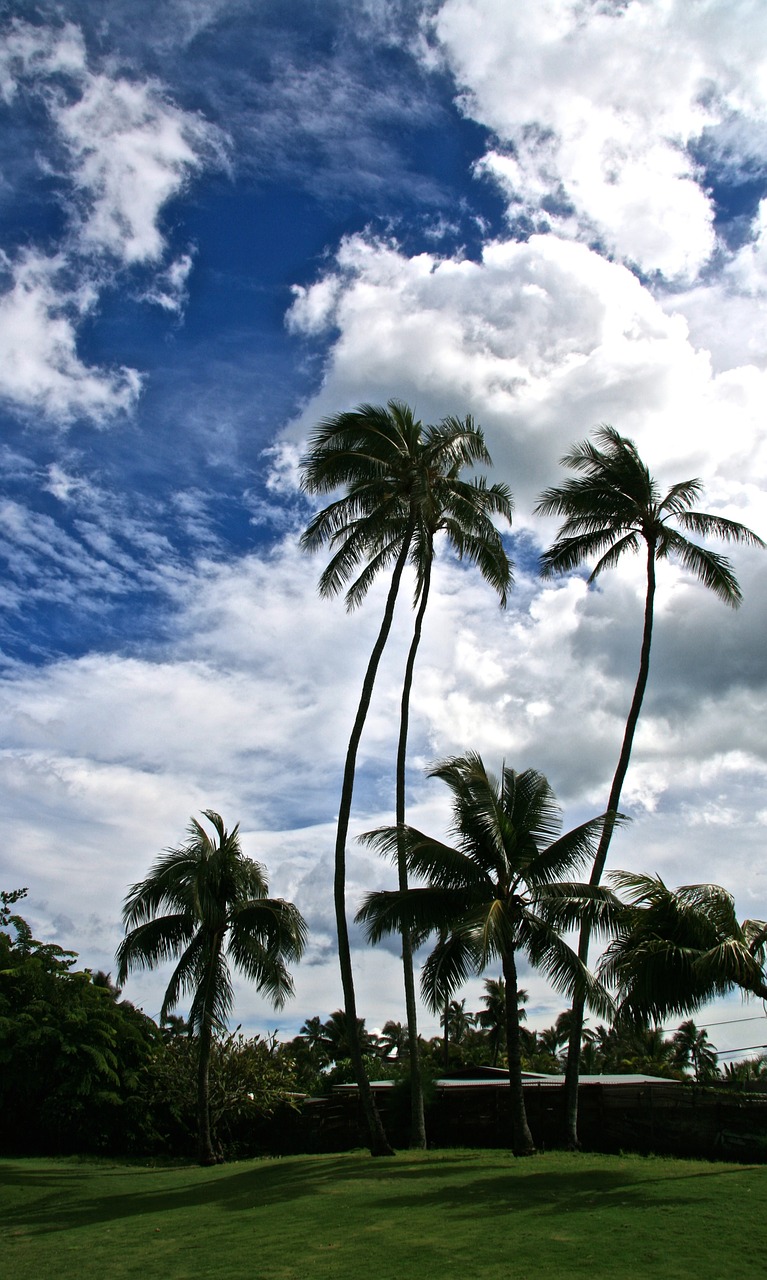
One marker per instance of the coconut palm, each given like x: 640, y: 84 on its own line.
x: 496, y: 895
x: 217, y: 911
x: 677, y: 949
x: 461, y: 511
x: 492, y: 1018
x: 693, y: 1048
x: 612, y: 507
x: 402, y: 487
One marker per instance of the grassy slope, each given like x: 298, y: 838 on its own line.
x: 447, y: 1215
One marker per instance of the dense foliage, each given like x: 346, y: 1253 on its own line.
x: 83, y: 1071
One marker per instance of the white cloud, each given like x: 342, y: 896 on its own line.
x: 540, y: 341
x: 596, y: 107
x: 40, y: 370
x: 132, y: 150
x: 129, y: 150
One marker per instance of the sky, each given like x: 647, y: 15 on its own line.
x: 222, y: 221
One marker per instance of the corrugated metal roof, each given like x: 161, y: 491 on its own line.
x: 529, y: 1079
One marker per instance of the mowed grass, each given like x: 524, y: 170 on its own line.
x: 444, y: 1215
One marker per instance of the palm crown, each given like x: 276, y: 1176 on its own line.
x: 215, y: 905
x: 499, y: 891
x: 403, y: 485
x: 615, y: 504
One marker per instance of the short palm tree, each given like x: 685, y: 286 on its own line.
x: 692, y: 1047
x: 614, y: 506
x: 676, y: 949
x: 402, y: 486
x: 492, y: 1018
x: 495, y: 895
x: 205, y: 904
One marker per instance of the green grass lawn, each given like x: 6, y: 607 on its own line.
x: 445, y: 1215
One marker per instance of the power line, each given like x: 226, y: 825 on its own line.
x: 730, y: 1022
x: 725, y: 1053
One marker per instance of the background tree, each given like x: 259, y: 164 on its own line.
x: 614, y: 506
x: 217, y: 911
x: 252, y: 1081
x: 72, y: 1058
x: 692, y: 1048
x: 495, y: 895
x: 402, y: 484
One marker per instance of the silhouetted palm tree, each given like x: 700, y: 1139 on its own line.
x: 218, y: 910
x: 497, y: 894
x: 402, y: 486
x: 693, y: 1048
x: 612, y: 507
x: 677, y: 949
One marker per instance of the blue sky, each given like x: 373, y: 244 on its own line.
x: 221, y: 221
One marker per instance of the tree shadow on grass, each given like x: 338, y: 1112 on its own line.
x: 67, y: 1197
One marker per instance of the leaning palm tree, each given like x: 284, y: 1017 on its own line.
x: 462, y: 512
x: 402, y: 486
x: 495, y: 895
x: 217, y: 910
x: 612, y: 507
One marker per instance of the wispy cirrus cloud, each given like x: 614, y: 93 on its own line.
x: 118, y: 149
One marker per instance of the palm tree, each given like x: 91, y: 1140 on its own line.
x: 496, y: 895
x: 677, y: 949
x: 393, y: 1040
x: 337, y: 1040
x: 402, y: 486
x: 461, y: 510
x: 692, y: 1047
x: 612, y: 507
x: 218, y: 910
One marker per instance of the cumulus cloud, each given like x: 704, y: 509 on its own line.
x: 598, y: 111
x: 541, y: 340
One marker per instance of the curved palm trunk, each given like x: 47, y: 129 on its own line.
x: 379, y: 1144
x: 417, y: 1120
x: 523, y: 1144
x: 576, y: 1029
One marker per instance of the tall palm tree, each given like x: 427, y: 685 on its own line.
x: 676, y: 949
x: 495, y: 895
x: 614, y: 506
x: 461, y: 510
x: 217, y: 911
x: 402, y: 486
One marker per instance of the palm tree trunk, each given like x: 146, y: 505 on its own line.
x: 522, y: 1139
x: 206, y: 1154
x: 576, y: 1029
x: 417, y: 1119
x: 379, y: 1144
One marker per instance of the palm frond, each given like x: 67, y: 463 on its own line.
x: 712, y: 569
x: 708, y: 526
x: 452, y: 962
x: 154, y: 943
